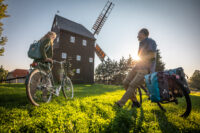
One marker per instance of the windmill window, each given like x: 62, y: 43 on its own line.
x: 84, y: 43
x: 91, y: 60
x: 78, y: 57
x: 64, y: 55
x: 57, y: 39
x: 78, y: 71
x: 72, y: 39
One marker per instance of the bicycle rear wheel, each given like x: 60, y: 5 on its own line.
x: 37, y: 87
x: 68, y: 90
x: 183, y: 103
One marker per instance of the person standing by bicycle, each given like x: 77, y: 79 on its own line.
x: 146, y: 64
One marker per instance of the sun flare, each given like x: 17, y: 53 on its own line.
x: 137, y: 58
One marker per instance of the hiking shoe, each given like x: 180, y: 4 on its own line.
x: 135, y: 104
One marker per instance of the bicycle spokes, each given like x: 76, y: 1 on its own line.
x: 39, y: 87
x: 67, y: 88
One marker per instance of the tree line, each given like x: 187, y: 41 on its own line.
x: 113, y: 72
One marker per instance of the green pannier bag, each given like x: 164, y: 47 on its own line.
x: 34, y: 50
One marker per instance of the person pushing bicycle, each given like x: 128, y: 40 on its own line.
x: 46, y: 48
x: 146, y: 64
x: 40, y: 84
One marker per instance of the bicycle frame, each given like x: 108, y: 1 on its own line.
x: 50, y: 75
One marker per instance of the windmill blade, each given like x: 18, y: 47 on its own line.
x: 102, y: 17
x: 100, y: 53
x: 98, y: 26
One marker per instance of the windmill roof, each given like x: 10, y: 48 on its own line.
x: 74, y: 27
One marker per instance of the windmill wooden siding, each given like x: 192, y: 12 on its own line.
x: 64, y: 45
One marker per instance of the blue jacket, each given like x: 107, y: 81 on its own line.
x: 146, y: 46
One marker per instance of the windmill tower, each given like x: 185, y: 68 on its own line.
x: 98, y: 26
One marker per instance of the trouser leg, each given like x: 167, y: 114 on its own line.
x: 129, y: 78
x: 130, y: 93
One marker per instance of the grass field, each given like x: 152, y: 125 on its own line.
x: 91, y: 110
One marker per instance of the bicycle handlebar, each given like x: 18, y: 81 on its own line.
x: 60, y: 62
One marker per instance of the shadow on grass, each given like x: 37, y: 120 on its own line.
x: 127, y: 120
x: 14, y: 95
x: 164, y: 124
x: 195, y: 102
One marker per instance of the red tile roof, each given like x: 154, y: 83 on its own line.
x: 19, y: 73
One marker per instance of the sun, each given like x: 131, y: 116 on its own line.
x: 137, y: 58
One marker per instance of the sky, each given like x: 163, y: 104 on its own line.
x: 173, y: 24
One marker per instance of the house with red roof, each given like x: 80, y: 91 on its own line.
x: 17, y: 73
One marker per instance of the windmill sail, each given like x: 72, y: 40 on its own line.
x: 102, y: 17
x: 100, y: 53
x: 98, y: 26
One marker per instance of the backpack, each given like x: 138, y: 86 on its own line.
x: 158, y: 85
x: 34, y: 50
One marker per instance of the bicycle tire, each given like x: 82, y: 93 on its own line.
x: 69, y: 82
x: 187, y: 98
x: 28, y: 89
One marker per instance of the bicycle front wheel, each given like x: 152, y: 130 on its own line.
x: 68, y: 90
x: 37, y: 87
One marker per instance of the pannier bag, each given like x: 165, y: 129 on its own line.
x: 157, y: 84
x: 152, y: 85
x: 34, y: 50
x: 180, y: 72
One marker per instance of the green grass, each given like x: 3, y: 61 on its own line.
x: 91, y: 110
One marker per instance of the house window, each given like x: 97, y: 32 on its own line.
x: 84, y: 43
x: 64, y: 55
x: 56, y: 23
x: 72, y: 39
x: 78, y: 71
x: 78, y: 57
x: 91, y: 60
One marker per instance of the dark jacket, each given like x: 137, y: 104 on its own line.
x: 46, y: 49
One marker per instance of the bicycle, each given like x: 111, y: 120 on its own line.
x: 181, y: 97
x: 40, y: 85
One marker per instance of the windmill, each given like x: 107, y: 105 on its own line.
x: 98, y: 26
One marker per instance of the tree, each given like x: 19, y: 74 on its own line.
x: 3, y: 73
x: 194, y: 81
x: 3, y: 40
x: 111, y: 71
x: 160, y: 65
